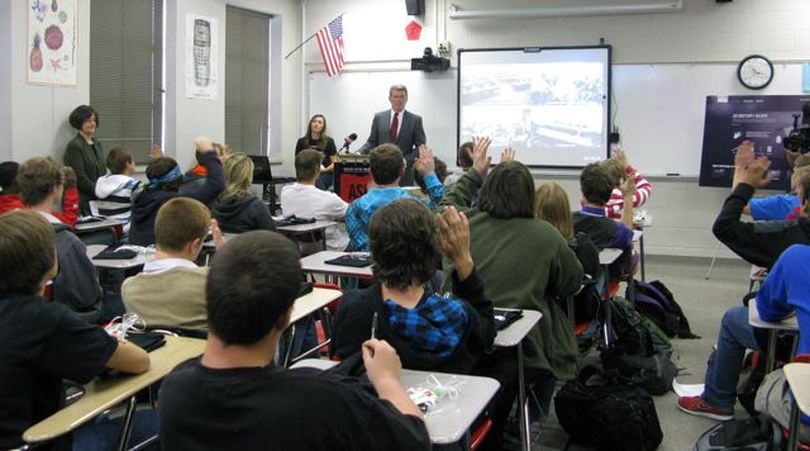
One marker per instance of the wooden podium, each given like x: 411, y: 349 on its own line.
x: 352, y: 176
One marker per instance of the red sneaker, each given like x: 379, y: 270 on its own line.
x: 695, y: 405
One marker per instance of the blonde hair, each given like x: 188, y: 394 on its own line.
x: 238, y: 176
x: 551, y: 205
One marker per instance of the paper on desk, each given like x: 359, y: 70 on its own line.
x: 686, y: 389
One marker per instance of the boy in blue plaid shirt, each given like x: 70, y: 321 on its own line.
x: 387, y: 166
x: 429, y: 331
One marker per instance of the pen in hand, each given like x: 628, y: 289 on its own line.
x: 374, y: 326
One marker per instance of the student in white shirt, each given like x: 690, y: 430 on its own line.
x: 304, y: 200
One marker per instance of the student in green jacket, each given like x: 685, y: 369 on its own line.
x: 525, y: 263
x: 85, y: 155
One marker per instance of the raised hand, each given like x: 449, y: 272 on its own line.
x: 155, y: 152
x: 425, y: 164
x: 745, y: 155
x: 480, y: 154
x: 204, y: 144
x: 628, y: 186
x: 756, y: 174
x: 454, y: 239
x: 507, y: 155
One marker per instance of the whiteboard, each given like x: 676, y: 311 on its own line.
x: 659, y: 108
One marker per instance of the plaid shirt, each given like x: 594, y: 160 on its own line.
x: 359, y: 214
x: 436, y: 325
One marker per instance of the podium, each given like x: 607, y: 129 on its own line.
x: 352, y: 176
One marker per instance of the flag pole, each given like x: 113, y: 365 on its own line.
x: 309, y: 38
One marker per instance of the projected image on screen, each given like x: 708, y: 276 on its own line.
x: 550, y: 105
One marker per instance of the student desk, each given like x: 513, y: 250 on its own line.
x: 798, y: 377
x: 451, y: 418
x: 638, y: 237
x: 105, y: 223
x: 790, y: 324
x: 101, y: 395
x: 134, y: 262
x: 513, y: 335
x: 312, y: 229
x: 315, y: 264
x: 307, y: 304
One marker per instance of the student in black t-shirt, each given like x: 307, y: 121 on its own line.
x: 235, y: 397
x: 43, y: 342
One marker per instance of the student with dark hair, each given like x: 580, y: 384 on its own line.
x: 236, y: 397
x: 76, y: 284
x: 304, y: 200
x: 165, y: 180
x: 428, y: 330
x: 526, y: 264
x: 170, y: 291
x: 387, y: 166
x: 85, y: 154
x: 464, y: 161
x: 117, y: 187
x: 760, y: 242
x: 44, y: 342
x: 10, y: 193
x: 237, y: 209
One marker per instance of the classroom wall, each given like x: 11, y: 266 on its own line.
x: 33, y: 119
x: 703, y: 32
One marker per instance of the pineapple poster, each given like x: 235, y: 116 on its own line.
x: 52, y: 42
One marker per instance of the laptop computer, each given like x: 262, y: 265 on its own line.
x: 261, y: 169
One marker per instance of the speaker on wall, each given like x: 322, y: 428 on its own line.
x: 415, y: 7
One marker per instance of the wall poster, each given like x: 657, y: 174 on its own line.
x: 201, y: 57
x: 52, y: 42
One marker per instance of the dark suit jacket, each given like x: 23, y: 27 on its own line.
x: 411, y: 133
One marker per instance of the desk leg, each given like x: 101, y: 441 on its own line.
x: 793, y: 428
x: 641, y: 257
x: 523, y: 413
x: 127, y: 428
x: 606, y: 325
x: 770, y: 359
x: 287, y: 354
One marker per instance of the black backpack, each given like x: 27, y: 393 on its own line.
x: 655, y: 301
x: 753, y: 434
x: 640, y: 354
x: 609, y: 417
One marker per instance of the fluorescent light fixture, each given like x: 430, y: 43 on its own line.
x: 567, y: 11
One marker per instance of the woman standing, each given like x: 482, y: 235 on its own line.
x: 316, y: 138
x: 85, y: 155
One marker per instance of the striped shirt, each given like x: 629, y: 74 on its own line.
x: 615, y: 205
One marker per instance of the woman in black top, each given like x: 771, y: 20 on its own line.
x: 85, y: 155
x: 316, y: 138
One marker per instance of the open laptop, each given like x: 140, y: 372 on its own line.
x: 261, y: 169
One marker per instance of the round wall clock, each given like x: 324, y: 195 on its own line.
x: 755, y: 72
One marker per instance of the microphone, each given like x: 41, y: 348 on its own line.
x: 347, y: 141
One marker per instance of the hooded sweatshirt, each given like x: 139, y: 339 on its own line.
x: 116, y: 190
x: 147, y: 202
x: 430, y: 340
x: 242, y: 215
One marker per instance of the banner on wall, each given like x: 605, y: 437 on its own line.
x: 51, y: 42
x: 201, y: 57
x: 763, y: 120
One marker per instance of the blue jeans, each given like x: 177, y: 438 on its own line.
x: 104, y: 434
x: 736, y: 335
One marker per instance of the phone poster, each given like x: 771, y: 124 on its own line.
x: 201, y: 57
x: 764, y: 120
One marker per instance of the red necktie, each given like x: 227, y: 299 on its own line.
x: 395, y: 127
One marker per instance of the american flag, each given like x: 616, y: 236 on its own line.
x: 330, y: 43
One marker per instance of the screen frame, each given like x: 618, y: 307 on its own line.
x: 537, y: 49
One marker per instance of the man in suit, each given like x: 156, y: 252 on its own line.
x: 399, y: 127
